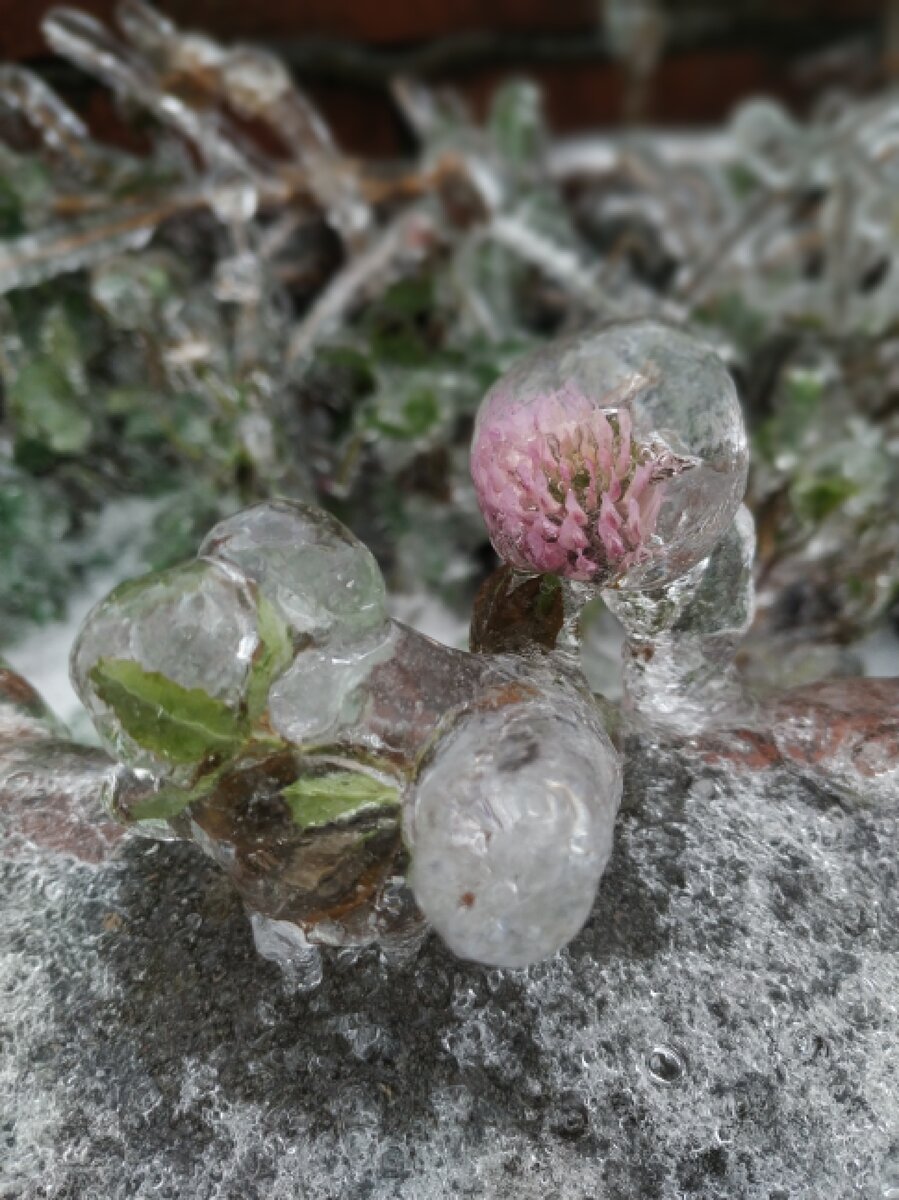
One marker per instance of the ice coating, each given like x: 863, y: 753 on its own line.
x: 616, y: 457
x: 323, y: 689
x: 511, y: 826
x: 681, y: 642
x: 320, y: 577
x: 564, y: 488
x: 280, y: 721
x: 724, y: 1026
x: 195, y: 627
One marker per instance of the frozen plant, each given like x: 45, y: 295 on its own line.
x: 618, y: 460
x: 616, y: 457
x: 244, y: 310
x: 349, y: 774
x: 564, y: 487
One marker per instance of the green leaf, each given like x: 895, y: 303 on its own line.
x: 322, y: 799
x: 182, y: 725
x: 11, y: 222
x: 47, y: 409
x: 167, y: 802
x: 410, y: 416
x: 274, y: 654
x: 546, y: 598
x: 797, y: 412
x: 348, y: 367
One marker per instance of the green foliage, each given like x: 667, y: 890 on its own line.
x: 34, y: 578
x: 161, y: 805
x: 819, y: 496
x: 411, y: 415
x: 274, y: 654
x: 47, y: 410
x: 549, y: 588
x: 183, y: 520
x: 316, y: 800
x: 516, y: 122
x: 399, y: 329
x: 181, y: 725
x: 732, y: 314
x: 784, y: 432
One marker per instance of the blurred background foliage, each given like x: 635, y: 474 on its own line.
x: 207, y: 299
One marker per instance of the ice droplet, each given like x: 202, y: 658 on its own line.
x: 284, y: 943
x: 665, y: 1064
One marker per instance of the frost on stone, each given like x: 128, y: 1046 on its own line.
x: 49, y: 786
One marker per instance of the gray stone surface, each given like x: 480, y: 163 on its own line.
x: 725, y: 1026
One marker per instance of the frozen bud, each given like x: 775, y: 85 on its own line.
x: 616, y: 457
x: 510, y: 821
x: 321, y: 579
x: 325, y: 688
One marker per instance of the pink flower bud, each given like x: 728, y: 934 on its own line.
x: 563, y: 485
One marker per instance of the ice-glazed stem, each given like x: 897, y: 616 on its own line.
x: 681, y: 640
x: 52, y: 790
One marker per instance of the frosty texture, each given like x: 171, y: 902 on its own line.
x: 725, y: 1025
x: 49, y: 787
x: 844, y: 733
x: 614, y: 457
x: 511, y: 825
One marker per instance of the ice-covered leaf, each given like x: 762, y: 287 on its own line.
x: 322, y: 799
x: 275, y: 652
x: 516, y: 122
x: 180, y: 724
x: 161, y: 805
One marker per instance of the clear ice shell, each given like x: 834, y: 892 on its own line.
x: 677, y: 403
x: 323, y: 690
x: 510, y: 821
x: 196, y: 624
x: 681, y: 641
x: 382, y: 694
x: 318, y: 575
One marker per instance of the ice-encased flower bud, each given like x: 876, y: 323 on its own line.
x: 321, y: 579
x: 616, y: 457
x: 510, y: 821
